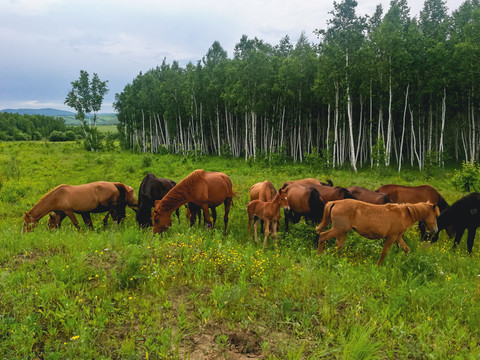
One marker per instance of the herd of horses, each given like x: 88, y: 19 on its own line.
x: 386, y: 212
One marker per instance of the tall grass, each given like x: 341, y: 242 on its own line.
x: 192, y: 293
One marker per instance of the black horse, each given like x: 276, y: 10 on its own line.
x: 463, y: 214
x: 152, y: 188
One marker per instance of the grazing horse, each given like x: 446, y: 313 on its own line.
x: 369, y: 196
x: 303, y: 201
x: 152, y: 188
x: 309, y: 181
x: 414, y: 194
x: 461, y: 215
x: 68, y: 200
x: 332, y: 193
x: 264, y: 191
x: 268, y: 211
x: 203, y: 189
x: 388, y: 221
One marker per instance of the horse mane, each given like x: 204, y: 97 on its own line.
x: 316, y: 204
x: 417, y: 211
x: 442, y: 203
x: 347, y: 194
x: 180, y: 193
x: 45, y: 196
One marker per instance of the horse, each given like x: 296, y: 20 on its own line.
x: 264, y: 191
x: 414, y: 194
x: 268, y: 211
x: 332, y: 193
x: 203, y: 189
x: 461, y: 215
x: 152, y: 188
x: 310, y: 181
x: 68, y: 200
x: 388, y: 221
x: 303, y: 201
x: 369, y: 196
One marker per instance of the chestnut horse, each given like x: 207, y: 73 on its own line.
x: 264, y: 191
x: 152, y: 188
x: 369, y: 196
x: 268, y: 211
x: 309, y: 181
x: 463, y: 214
x: 203, y: 189
x: 68, y: 200
x: 303, y: 201
x: 414, y: 194
x: 332, y: 193
x: 388, y: 221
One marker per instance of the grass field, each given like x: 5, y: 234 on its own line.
x: 192, y: 293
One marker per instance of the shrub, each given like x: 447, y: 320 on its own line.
x: 468, y: 178
x: 70, y: 135
x: 56, y: 135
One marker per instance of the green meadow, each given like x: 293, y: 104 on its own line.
x: 193, y: 293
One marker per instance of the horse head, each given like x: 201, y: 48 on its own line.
x: 54, y: 220
x: 29, y: 223
x: 161, y: 221
x: 431, y: 217
x: 284, y: 199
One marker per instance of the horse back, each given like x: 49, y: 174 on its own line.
x: 413, y: 194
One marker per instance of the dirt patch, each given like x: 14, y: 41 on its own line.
x: 214, y: 343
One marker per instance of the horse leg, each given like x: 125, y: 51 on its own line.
x: 206, y: 216
x: 249, y: 225
x: 72, y: 217
x: 178, y: 215
x: 228, y: 204
x: 471, y: 238
x: 340, y: 242
x: 105, y: 220
x: 255, y: 223
x: 458, y: 237
x: 326, y: 235
x: 267, y: 232
x: 214, y: 215
x: 87, y: 220
x: 386, y: 246
x: 275, y: 226
x: 403, y: 244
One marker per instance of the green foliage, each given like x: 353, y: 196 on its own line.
x: 468, y: 178
x: 57, y: 136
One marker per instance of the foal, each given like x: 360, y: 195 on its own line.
x: 269, y: 212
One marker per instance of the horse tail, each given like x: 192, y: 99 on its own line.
x: 327, y: 217
x: 316, y: 205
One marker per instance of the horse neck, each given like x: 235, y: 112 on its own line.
x: 175, y: 198
x: 417, y: 212
x: 40, y: 209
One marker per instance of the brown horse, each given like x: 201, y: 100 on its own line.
x: 332, y: 193
x: 369, y: 196
x: 264, y: 191
x: 303, y: 201
x: 309, y: 181
x: 402, y: 194
x: 203, y: 189
x: 268, y: 211
x: 388, y: 221
x: 68, y: 200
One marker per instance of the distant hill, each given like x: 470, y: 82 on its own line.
x: 45, y: 112
x: 68, y: 116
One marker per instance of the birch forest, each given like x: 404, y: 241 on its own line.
x: 379, y: 89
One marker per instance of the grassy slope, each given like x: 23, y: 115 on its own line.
x: 193, y: 293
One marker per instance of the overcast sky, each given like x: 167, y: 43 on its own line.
x: 45, y: 43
